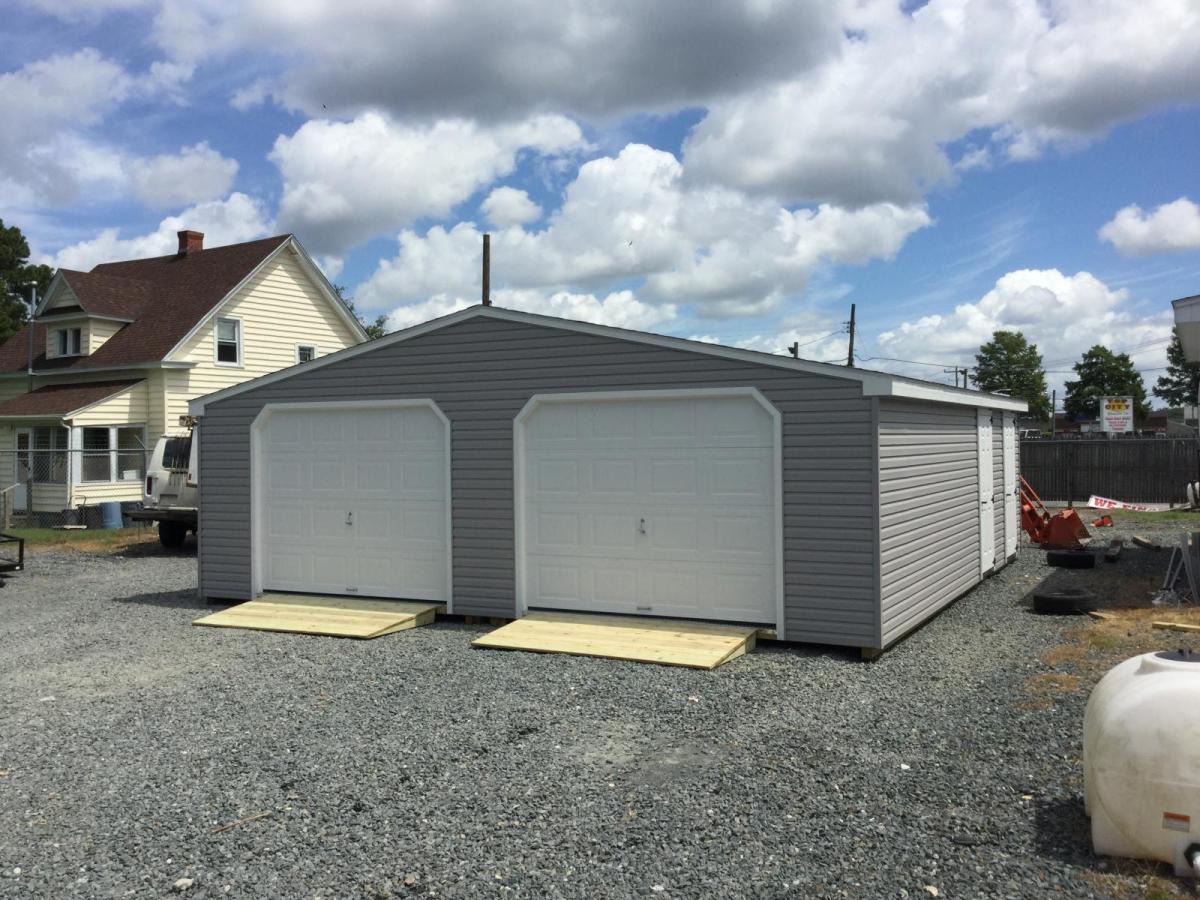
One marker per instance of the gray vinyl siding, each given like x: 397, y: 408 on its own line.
x: 481, y: 372
x: 928, y: 510
x: 998, y: 498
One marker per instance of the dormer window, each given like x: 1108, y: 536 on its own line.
x: 70, y: 341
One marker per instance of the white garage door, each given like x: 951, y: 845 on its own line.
x: 354, y: 501
x: 662, y: 506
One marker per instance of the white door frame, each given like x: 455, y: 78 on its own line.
x: 987, y: 502
x: 1010, y: 485
x: 519, y: 540
x: 257, y: 484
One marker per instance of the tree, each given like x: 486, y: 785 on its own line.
x: 1009, y: 363
x: 374, y: 329
x: 1178, y: 387
x: 16, y: 273
x: 1102, y: 373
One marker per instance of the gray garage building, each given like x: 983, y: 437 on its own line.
x: 499, y: 461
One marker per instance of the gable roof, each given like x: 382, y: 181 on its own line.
x: 61, y: 399
x: 165, y: 298
x: 875, y: 384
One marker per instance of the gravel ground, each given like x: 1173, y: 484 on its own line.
x: 413, y: 765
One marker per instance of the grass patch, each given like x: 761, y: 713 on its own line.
x: 1132, y: 517
x: 83, y: 538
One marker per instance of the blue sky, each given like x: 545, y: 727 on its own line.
x: 740, y: 172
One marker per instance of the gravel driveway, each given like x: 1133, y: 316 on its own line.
x: 413, y: 765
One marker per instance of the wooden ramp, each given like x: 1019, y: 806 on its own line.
x: 669, y: 642
x: 335, y: 616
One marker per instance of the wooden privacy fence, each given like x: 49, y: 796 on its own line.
x: 1136, y: 470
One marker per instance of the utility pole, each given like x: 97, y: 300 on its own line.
x: 850, y: 354
x: 487, y: 270
x: 795, y: 349
x: 1053, y: 412
x: 32, y: 307
x: 958, y: 370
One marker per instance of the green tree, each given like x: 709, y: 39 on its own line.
x: 1009, y: 363
x: 16, y: 273
x: 1102, y: 373
x: 1178, y: 387
x: 374, y: 329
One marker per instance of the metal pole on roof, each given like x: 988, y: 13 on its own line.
x: 487, y: 270
x: 850, y: 355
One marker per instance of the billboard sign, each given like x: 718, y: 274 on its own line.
x: 1116, y: 415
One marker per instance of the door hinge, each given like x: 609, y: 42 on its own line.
x: 350, y: 518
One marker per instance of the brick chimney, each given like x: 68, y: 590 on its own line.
x: 190, y: 242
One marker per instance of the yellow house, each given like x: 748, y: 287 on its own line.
x: 114, y: 355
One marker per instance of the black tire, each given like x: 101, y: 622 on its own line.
x: 1067, y: 602
x: 172, y: 534
x: 1071, y: 559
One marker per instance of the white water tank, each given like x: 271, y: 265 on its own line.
x: 1141, y: 760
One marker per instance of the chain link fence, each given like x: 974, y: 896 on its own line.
x: 56, y: 487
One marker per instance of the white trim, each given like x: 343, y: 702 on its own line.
x: 75, y: 440
x: 323, y: 287
x: 1011, y: 503
x: 84, y: 370
x: 241, y: 349
x: 256, y: 484
x: 58, y: 279
x: 874, y: 384
x: 537, y: 400
x: 312, y: 347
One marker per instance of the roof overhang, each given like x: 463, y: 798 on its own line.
x: 1187, y: 326
x: 874, y: 384
x: 87, y: 370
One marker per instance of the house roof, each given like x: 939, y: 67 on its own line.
x: 875, y: 384
x: 59, y: 400
x: 165, y: 296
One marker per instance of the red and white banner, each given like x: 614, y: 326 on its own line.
x: 1105, y: 503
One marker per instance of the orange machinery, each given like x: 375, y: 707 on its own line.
x: 1063, y: 530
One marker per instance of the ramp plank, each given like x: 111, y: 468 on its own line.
x: 333, y: 616
x: 671, y: 642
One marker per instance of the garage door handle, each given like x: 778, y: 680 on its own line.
x: 641, y: 526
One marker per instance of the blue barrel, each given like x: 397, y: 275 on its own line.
x: 110, y: 514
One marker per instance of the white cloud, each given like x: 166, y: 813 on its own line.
x: 83, y: 10
x: 1063, y: 314
x: 236, y: 218
x: 345, y: 182
x: 506, y: 206
x: 503, y: 61
x: 194, y: 175
x: 875, y: 123
x: 620, y: 308
x: 632, y: 216
x: 1171, y: 226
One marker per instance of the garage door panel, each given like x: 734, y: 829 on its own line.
x: 664, y: 506
x: 385, y: 466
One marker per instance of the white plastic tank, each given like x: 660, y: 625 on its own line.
x: 1141, y: 760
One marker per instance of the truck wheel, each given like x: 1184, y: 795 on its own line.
x: 172, y: 534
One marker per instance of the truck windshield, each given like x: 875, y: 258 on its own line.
x: 176, y: 452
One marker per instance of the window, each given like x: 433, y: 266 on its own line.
x: 305, y: 353
x: 42, y: 455
x: 70, y: 341
x: 112, y: 453
x: 229, y: 342
x: 177, y: 452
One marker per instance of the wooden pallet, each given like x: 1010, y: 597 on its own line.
x: 334, y: 616
x: 669, y: 642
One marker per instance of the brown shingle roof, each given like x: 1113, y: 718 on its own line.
x: 60, y: 399
x: 166, y: 296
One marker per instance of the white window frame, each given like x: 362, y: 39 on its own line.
x: 241, y: 360
x: 114, y: 453
x: 64, y: 339
x: 299, y: 347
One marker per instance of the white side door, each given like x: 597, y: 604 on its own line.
x: 663, y: 506
x: 987, y: 523
x: 355, y: 501
x: 1011, y: 506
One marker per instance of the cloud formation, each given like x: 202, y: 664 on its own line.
x: 193, y: 175
x: 1171, y: 226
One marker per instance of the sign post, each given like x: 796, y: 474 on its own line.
x: 1116, y: 415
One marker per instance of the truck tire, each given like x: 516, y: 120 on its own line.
x: 172, y: 534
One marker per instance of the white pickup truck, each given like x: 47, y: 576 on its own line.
x: 172, y: 494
